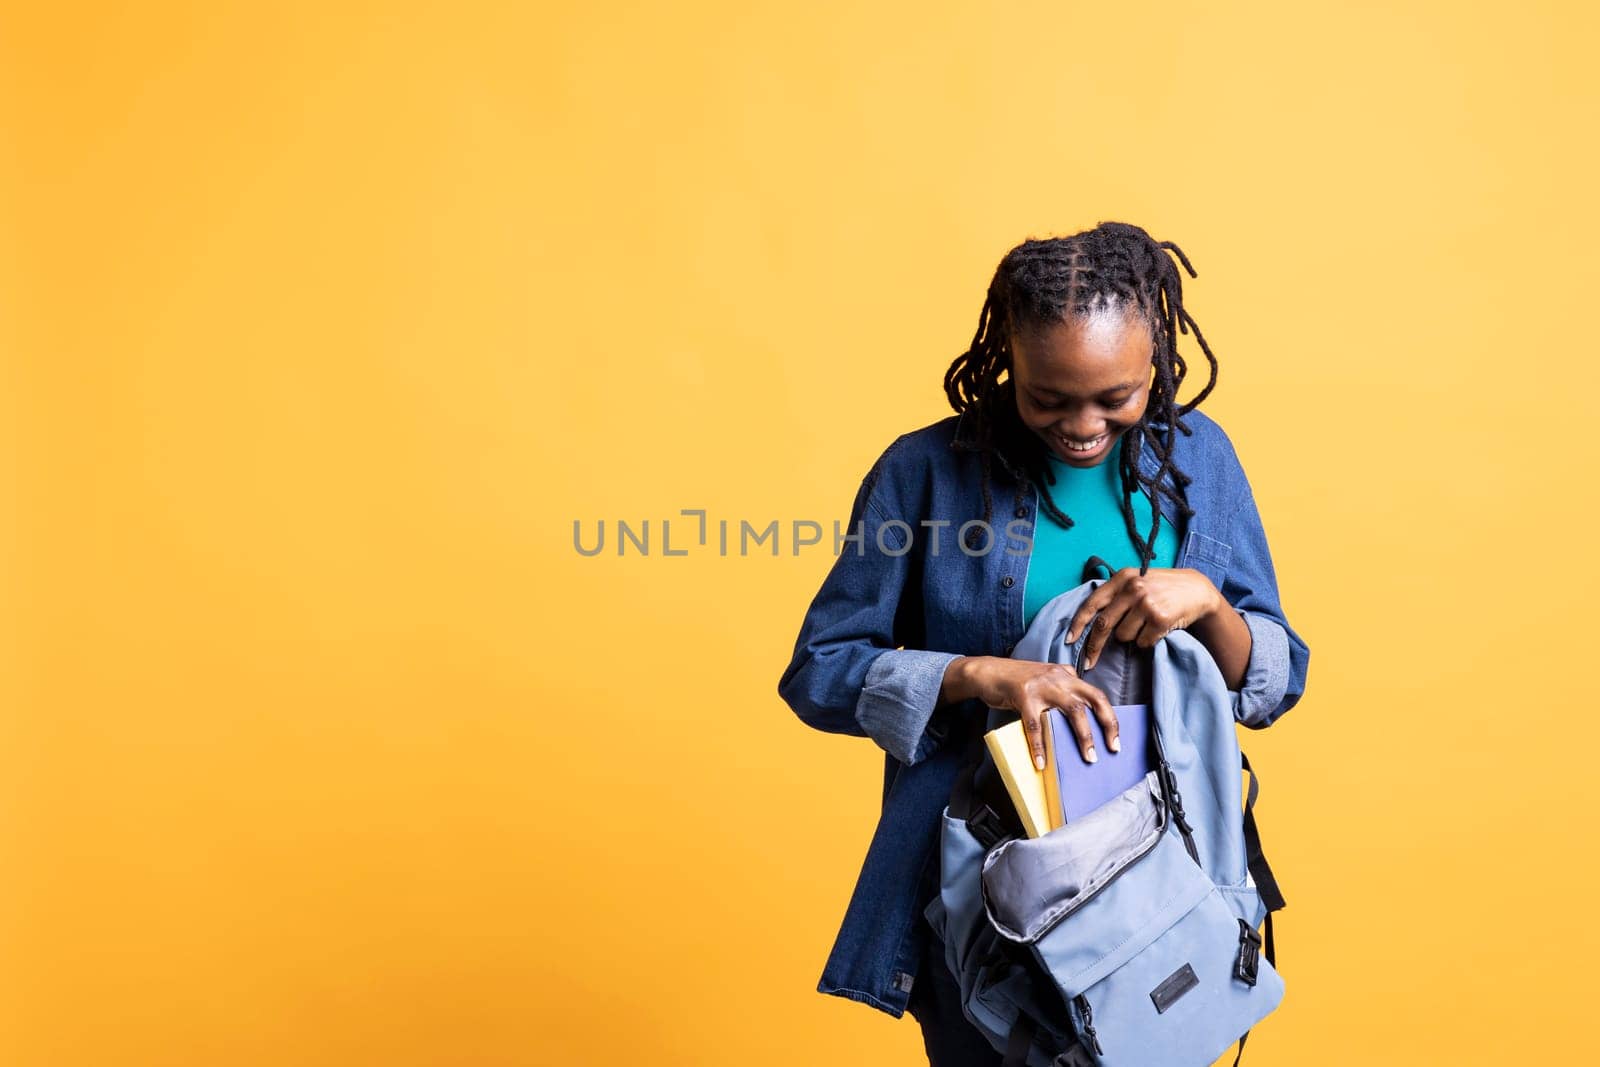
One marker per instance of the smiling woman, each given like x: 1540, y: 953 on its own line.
x: 1066, y: 398
x: 1082, y: 383
x: 1085, y: 328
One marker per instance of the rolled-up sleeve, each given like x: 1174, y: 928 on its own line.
x: 1266, y: 677
x: 856, y: 667
x: 1275, y: 677
x: 899, y: 699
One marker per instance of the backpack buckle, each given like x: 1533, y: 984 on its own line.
x: 986, y: 826
x: 1248, y: 965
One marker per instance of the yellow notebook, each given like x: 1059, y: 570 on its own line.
x: 1009, y: 747
x: 1050, y: 777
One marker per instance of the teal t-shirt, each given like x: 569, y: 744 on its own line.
x: 1092, y: 498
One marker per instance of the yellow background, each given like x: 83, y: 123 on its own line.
x: 322, y: 323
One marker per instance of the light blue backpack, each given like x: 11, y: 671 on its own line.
x: 1129, y: 935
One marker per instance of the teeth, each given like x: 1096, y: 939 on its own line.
x: 1090, y: 447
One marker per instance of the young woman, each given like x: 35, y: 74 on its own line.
x: 1066, y: 408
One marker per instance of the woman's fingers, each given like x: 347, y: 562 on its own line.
x: 1122, y: 618
x: 1059, y: 687
x: 1108, y: 720
x: 1078, y: 700
x: 1078, y: 720
x: 1034, y: 725
x: 1077, y: 716
x: 1153, y: 630
x: 1092, y: 603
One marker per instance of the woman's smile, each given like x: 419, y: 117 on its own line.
x: 1082, y: 450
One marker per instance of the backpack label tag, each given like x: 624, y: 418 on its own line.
x: 1176, y: 985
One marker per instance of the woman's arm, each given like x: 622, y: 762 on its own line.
x: 1275, y: 675
x: 1242, y: 624
x: 1226, y: 636
x: 849, y: 673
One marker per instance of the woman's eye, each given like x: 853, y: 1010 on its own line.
x: 1041, y: 402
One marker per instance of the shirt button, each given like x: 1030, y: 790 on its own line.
x: 1008, y: 581
x: 1022, y: 513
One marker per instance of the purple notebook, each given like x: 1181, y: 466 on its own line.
x: 1086, y: 786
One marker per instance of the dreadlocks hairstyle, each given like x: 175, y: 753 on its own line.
x: 1040, y: 283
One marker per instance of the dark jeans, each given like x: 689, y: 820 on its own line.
x: 951, y: 1041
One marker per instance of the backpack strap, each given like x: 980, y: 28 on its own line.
x: 1019, y: 1041
x: 1271, y: 895
x: 979, y: 799
x: 1266, y: 883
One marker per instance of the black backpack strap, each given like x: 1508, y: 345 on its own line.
x: 979, y: 798
x: 1271, y: 895
x: 966, y: 805
x: 1019, y: 1041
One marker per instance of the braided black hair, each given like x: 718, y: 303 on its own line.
x: 1040, y: 283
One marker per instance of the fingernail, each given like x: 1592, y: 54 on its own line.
x: 1115, y: 744
x: 1091, y: 755
x: 1038, y: 762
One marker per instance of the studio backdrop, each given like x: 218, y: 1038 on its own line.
x: 333, y: 333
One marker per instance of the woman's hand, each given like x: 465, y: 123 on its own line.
x: 1143, y: 610
x: 1030, y: 689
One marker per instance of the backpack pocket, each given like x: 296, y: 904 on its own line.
x: 999, y: 980
x: 1157, y: 966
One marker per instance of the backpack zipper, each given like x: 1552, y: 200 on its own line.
x: 1082, y: 1003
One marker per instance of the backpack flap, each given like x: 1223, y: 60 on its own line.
x: 1030, y: 884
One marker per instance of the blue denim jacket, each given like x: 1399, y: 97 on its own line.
x: 910, y: 595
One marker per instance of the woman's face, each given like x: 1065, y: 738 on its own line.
x: 1082, y: 382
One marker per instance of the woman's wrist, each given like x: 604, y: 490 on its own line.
x: 1226, y: 635
x: 961, y: 679
x: 1218, y: 605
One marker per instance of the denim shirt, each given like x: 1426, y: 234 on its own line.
x: 910, y: 594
